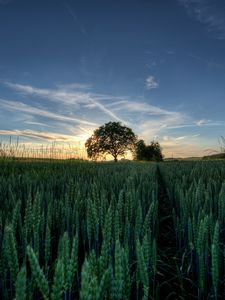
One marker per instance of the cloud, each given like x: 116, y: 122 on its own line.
x: 75, y: 86
x: 132, y: 113
x: 170, y: 52
x: 75, y: 19
x: 180, y: 138
x: 146, y: 119
x: 155, y: 126
x: 36, y: 123
x: 202, y: 122
x: 150, y: 121
x: 182, y: 146
x: 151, y: 83
x: 68, y: 96
x: 204, y: 11
x: 182, y: 149
x: 31, y: 110
x: 76, y: 101
x: 209, y: 63
x: 39, y: 135
x: 209, y: 123
x: 142, y: 107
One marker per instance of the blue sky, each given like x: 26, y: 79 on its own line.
x: 67, y: 67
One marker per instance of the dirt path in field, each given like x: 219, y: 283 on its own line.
x: 169, y: 284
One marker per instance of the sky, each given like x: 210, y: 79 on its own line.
x: 156, y: 66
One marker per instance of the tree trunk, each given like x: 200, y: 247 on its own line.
x: 115, y: 158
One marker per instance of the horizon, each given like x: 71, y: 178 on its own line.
x: 69, y: 67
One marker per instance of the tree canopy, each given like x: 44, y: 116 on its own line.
x: 111, y: 138
x: 150, y: 152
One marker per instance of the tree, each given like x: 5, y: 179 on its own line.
x: 140, y: 149
x: 150, y: 152
x: 111, y: 138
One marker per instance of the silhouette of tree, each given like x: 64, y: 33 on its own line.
x: 111, y: 138
x: 150, y: 152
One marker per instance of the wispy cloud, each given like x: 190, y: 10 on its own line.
x: 180, y: 138
x: 204, y: 12
x: 151, y: 83
x: 69, y: 95
x: 31, y: 110
x: 146, y: 119
x: 170, y: 52
x: 150, y: 119
x: 199, y: 123
x: 75, y: 86
x: 202, y: 122
x: 182, y: 149
x: 142, y: 107
x: 208, y: 123
x: 156, y: 126
x: 50, y: 136
x: 36, y: 123
x: 83, y: 110
x: 75, y: 19
x: 183, y: 146
x: 209, y: 63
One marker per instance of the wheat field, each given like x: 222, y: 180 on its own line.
x: 84, y: 230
